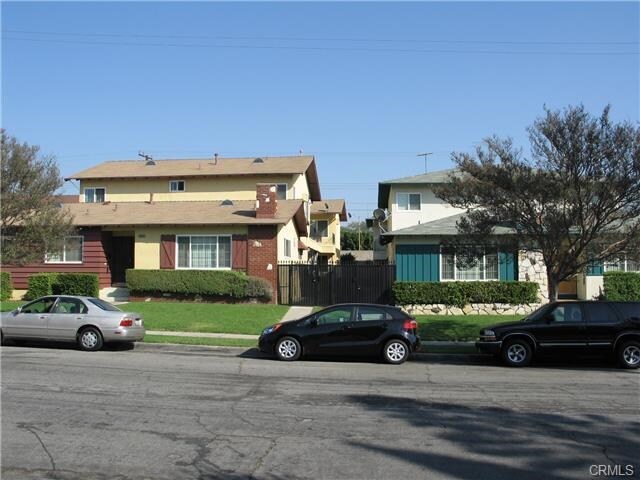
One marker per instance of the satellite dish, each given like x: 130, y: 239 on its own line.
x: 379, y: 215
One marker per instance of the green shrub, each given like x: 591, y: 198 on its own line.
x: 216, y: 283
x: 462, y: 293
x: 40, y: 284
x: 83, y: 284
x: 622, y: 286
x: 6, y: 288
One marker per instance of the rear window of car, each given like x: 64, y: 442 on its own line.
x: 104, y: 305
x: 628, y: 310
x: 601, y: 313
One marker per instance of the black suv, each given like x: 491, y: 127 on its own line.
x: 595, y: 327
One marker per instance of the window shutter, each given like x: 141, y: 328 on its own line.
x: 168, y: 251
x: 239, y: 252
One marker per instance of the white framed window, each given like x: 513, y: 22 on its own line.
x: 319, y: 228
x: 203, y: 252
x: 409, y: 201
x: 177, y: 186
x: 467, y: 267
x: 621, y: 264
x: 281, y: 191
x: 70, y: 251
x: 287, y: 247
x: 95, y: 195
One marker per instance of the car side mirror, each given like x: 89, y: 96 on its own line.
x: 313, y: 322
x: 17, y: 311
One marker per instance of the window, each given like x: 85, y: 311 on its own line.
x: 372, y: 314
x: 176, y: 186
x: 287, y: 247
x: 281, y: 191
x: 408, y: 201
x: 335, y: 315
x: 39, y: 306
x: 70, y: 305
x: 69, y: 252
x: 94, y: 195
x: 569, y: 313
x: 468, y: 267
x: 104, y: 305
x: 601, y: 313
x: 621, y: 264
x: 203, y: 252
x: 319, y: 228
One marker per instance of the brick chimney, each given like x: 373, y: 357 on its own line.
x: 266, y: 202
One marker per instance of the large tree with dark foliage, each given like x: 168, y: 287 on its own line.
x: 356, y: 236
x: 31, y: 218
x: 575, y: 199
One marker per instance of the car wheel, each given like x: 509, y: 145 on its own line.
x: 517, y: 353
x: 288, y: 349
x: 629, y: 354
x: 90, y: 339
x: 395, y: 352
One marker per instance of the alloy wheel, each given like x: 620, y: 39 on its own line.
x: 631, y: 355
x: 396, y: 351
x: 89, y: 339
x: 287, y: 349
x: 516, y: 353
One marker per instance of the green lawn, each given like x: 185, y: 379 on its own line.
x: 457, y: 328
x: 221, y: 342
x: 9, y: 305
x: 207, y: 317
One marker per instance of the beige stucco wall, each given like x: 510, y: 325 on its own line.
x: 212, y: 188
x: 288, y: 232
x: 333, y: 228
x: 147, y: 241
x: 431, y: 207
x: 590, y: 287
x: 299, y: 190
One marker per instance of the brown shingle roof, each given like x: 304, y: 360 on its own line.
x: 183, y: 213
x: 330, y: 206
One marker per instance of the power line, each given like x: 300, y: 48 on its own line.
x: 323, y: 39
x: 309, y: 48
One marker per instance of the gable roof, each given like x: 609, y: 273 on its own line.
x: 336, y: 206
x: 431, y: 178
x: 206, y: 167
x: 184, y: 213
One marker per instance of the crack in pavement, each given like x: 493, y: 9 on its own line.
x: 33, y: 430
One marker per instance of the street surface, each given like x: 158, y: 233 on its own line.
x: 174, y: 412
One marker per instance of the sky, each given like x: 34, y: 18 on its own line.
x: 365, y: 87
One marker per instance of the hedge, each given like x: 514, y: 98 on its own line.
x: 6, y: 288
x: 460, y: 294
x: 213, y: 283
x: 41, y: 284
x: 622, y: 286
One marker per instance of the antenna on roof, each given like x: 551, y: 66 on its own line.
x: 215, y: 158
x: 148, y: 158
x: 300, y: 152
x: 425, y: 155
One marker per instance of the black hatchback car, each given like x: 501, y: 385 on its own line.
x: 568, y: 328
x: 345, y: 330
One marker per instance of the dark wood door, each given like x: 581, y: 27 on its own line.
x: 122, y: 257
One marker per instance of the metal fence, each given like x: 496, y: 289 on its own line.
x: 312, y: 284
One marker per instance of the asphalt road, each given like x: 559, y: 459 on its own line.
x: 162, y: 412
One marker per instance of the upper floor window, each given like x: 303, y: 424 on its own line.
x: 94, y: 194
x: 203, y: 251
x: 319, y: 228
x: 408, y: 201
x: 176, y: 186
x: 287, y: 247
x: 281, y: 191
x: 468, y: 266
x: 621, y: 264
x: 69, y: 252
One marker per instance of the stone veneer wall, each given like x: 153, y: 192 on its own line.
x: 472, y: 309
x: 531, y: 268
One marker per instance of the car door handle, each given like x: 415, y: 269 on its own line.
x: 43, y: 317
x: 78, y: 318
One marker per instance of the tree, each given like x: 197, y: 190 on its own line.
x: 356, y: 236
x: 32, y: 221
x: 576, y: 200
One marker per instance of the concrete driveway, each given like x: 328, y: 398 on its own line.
x: 164, y: 412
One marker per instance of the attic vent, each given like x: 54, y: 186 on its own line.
x: 258, y: 160
x: 149, y: 162
x: 227, y: 202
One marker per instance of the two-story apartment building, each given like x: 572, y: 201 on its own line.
x: 244, y: 214
x: 419, y: 223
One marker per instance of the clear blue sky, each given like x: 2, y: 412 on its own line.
x: 363, y: 86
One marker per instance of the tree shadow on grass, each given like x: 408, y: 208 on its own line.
x: 503, y: 443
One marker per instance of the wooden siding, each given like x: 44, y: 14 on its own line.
x: 93, y: 256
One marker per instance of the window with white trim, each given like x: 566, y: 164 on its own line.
x: 319, y: 229
x: 177, y: 186
x: 408, y: 201
x: 69, y: 252
x: 95, y: 195
x: 203, y: 252
x: 621, y: 264
x: 287, y: 247
x: 281, y: 191
x: 466, y: 267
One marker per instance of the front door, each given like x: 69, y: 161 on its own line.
x: 568, y: 288
x: 122, y: 258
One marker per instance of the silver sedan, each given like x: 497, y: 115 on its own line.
x: 88, y: 321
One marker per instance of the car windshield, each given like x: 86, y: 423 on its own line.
x: 537, y: 314
x: 104, y: 305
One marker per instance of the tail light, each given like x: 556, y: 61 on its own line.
x: 410, y: 325
x: 126, y: 322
